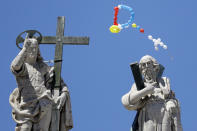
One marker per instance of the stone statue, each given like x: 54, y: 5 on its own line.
x: 32, y: 100
x: 158, y: 109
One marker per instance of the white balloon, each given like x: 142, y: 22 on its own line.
x: 156, y: 48
x: 150, y: 37
x: 156, y: 44
x: 154, y: 40
x: 165, y: 47
x: 161, y: 44
x: 119, y: 26
x: 119, y: 6
x: 159, y: 39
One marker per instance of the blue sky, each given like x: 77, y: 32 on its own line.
x: 99, y: 74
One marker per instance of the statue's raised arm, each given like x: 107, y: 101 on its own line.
x: 27, y: 54
x: 31, y: 100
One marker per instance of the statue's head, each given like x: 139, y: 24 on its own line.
x: 33, y: 51
x: 149, y: 68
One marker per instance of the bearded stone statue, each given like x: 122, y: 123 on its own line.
x: 32, y: 100
x: 158, y: 109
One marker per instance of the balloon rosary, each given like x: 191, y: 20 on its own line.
x: 157, y: 42
x: 116, y: 27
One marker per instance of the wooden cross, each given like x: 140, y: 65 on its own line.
x: 59, y: 40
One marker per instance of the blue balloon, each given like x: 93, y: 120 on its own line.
x: 132, y: 13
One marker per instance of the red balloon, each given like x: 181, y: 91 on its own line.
x: 116, y: 8
x: 142, y: 30
x: 115, y: 23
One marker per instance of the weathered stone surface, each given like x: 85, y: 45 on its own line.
x: 42, y: 101
x: 32, y: 101
x: 158, y: 109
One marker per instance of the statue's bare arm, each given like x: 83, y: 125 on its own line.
x: 131, y: 100
x: 20, y: 58
x: 62, y: 97
x: 137, y: 95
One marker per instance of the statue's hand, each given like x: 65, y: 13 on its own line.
x: 157, y: 90
x: 61, y: 100
x: 151, y: 86
x: 171, y: 106
x: 28, y: 42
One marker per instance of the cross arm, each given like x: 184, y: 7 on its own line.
x: 48, y: 40
x: 66, y: 40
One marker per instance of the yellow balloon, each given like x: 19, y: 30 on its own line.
x: 114, y: 29
x: 134, y: 25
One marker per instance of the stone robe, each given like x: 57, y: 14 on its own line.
x: 154, y: 114
x: 32, y: 99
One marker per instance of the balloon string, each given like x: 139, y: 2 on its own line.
x: 169, y: 55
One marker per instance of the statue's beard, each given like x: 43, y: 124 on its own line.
x: 149, y: 75
x: 31, y: 59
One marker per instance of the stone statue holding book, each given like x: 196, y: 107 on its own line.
x: 152, y: 98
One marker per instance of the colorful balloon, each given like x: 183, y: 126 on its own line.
x: 125, y: 25
x: 117, y: 27
x: 142, y: 30
x: 114, y: 29
x: 134, y: 25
